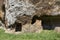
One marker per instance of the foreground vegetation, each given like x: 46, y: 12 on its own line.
x: 44, y: 35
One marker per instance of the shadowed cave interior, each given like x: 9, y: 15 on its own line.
x: 49, y: 22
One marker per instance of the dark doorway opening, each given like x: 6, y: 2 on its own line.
x: 18, y: 27
x: 49, y: 22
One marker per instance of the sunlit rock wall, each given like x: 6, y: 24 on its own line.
x: 23, y: 12
x: 18, y: 7
x: 15, y: 8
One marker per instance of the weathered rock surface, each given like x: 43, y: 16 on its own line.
x: 57, y: 29
x: 30, y: 8
x: 23, y: 11
x: 1, y: 3
x: 36, y: 27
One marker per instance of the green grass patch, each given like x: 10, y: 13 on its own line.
x: 44, y: 35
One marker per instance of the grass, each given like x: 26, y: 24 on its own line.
x: 44, y: 35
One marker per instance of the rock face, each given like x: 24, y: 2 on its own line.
x: 30, y: 8
x: 36, y: 27
x: 23, y: 11
x: 15, y: 8
x: 1, y: 15
x: 57, y: 29
x: 1, y: 3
